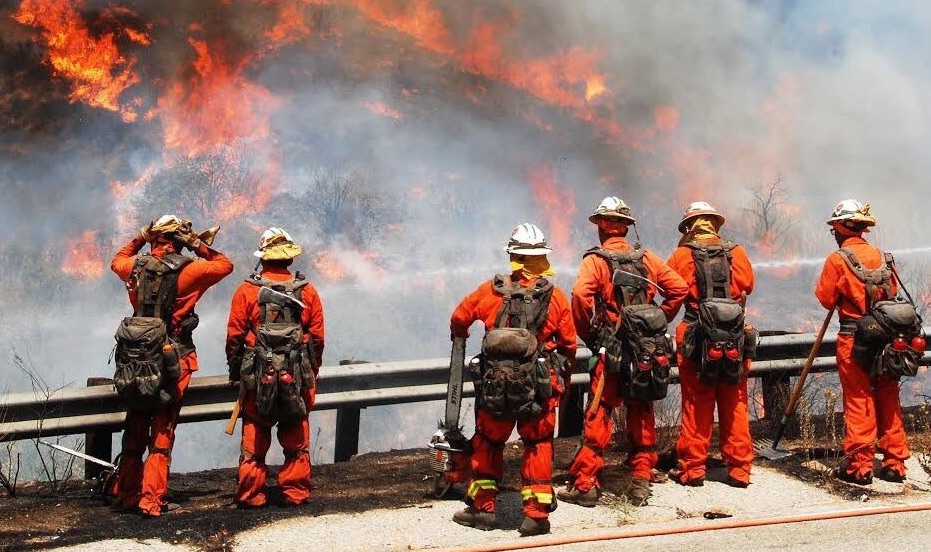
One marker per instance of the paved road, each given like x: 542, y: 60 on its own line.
x: 672, y: 508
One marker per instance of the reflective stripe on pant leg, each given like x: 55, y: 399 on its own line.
x: 537, y: 463
x: 859, y: 410
x: 481, y: 494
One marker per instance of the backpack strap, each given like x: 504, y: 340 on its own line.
x: 871, y: 277
x: 523, y: 307
x: 712, y: 269
x: 288, y: 309
x: 626, y: 261
x: 157, y: 284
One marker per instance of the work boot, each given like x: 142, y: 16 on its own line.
x: 170, y: 507
x: 890, y: 474
x: 639, y: 491
x: 573, y: 495
x: 843, y: 475
x: 470, y: 517
x: 532, y: 526
x: 678, y: 476
x: 737, y: 483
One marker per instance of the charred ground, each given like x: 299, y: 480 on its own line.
x: 206, y: 520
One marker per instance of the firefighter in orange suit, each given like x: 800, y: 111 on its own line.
x: 276, y: 251
x: 871, y: 405
x: 527, y: 248
x: 594, y: 285
x: 143, y: 485
x: 700, y: 225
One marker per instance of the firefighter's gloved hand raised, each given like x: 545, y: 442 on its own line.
x: 146, y: 232
x: 188, y: 237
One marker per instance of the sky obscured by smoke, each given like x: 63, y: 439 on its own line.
x: 826, y: 97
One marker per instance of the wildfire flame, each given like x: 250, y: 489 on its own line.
x: 558, y: 204
x: 82, y: 257
x: 98, y: 72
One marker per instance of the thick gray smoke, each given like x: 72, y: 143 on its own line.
x: 708, y: 100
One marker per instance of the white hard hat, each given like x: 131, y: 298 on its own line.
x: 697, y: 209
x: 276, y: 244
x: 527, y: 239
x: 612, y: 208
x: 167, y: 224
x: 852, y: 211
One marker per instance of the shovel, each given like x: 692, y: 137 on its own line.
x: 767, y: 447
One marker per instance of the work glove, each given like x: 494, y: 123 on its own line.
x: 146, y: 232
x: 189, y: 238
x: 235, y: 369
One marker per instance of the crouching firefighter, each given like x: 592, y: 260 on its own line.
x: 155, y: 356
x: 274, y: 347
x: 880, y: 341
x: 715, y: 347
x: 528, y: 347
x: 615, y: 315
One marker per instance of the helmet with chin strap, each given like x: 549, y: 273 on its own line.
x: 527, y: 239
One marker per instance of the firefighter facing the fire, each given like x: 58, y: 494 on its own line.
x: 528, y: 347
x: 144, y: 485
x: 274, y: 348
x: 714, y: 348
x: 871, y: 403
x: 613, y: 277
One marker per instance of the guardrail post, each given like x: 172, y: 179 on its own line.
x: 347, y: 426
x: 98, y: 444
x: 347, y: 434
x: 775, y: 394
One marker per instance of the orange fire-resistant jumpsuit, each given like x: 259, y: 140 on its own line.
x: 699, y: 399
x: 871, y: 405
x: 491, y: 433
x: 594, y: 280
x: 294, y: 476
x: 147, y: 484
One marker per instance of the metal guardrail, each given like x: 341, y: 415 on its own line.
x: 97, y: 411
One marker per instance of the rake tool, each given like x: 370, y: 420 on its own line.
x: 767, y: 447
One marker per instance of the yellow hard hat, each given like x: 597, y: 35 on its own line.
x: 277, y: 245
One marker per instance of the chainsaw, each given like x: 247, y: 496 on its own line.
x: 449, y: 459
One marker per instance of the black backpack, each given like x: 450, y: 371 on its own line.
x: 514, y: 381
x: 718, y: 338
x: 638, y: 347
x: 147, y: 357
x: 889, y: 339
x: 280, y: 366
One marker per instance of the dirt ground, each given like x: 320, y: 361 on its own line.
x: 38, y: 519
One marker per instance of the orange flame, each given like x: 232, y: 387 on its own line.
x: 82, y: 257
x: 98, y: 72
x: 216, y: 106
x: 328, y: 266
x: 558, y: 204
x: 380, y: 108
